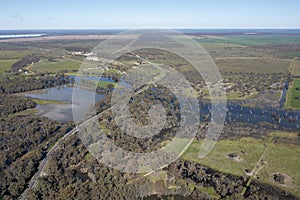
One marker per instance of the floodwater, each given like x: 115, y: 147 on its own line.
x: 63, y: 112
x: 278, y: 118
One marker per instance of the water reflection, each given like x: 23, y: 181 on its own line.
x: 63, y: 112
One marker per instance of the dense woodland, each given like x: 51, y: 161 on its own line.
x: 16, y: 84
x: 24, y: 62
x: 11, y: 104
x: 25, y: 141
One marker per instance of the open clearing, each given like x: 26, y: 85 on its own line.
x: 5, y: 64
x: 263, y: 65
x: 279, y: 158
x: 295, y: 67
x: 250, y: 40
x: 57, y: 65
x: 293, y: 97
x: 9, y: 57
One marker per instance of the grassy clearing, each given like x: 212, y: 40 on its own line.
x: 5, y: 64
x: 58, y: 65
x: 295, y: 67
x: 44, y: 101
x: 287, y: 135
x: 13, y: 54
x: 208, y: 190
x: 232, y: 95
x: 283, y: 159
x: 218, y: 157
x: 280, y: 158
x: 293, y: 93
x: 24, y: 112
x: 104, y: 84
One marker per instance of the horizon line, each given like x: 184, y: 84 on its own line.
x: 205, y: 28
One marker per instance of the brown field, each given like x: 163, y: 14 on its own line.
x: 257, y: 65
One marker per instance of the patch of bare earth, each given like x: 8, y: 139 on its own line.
x: 282, y: 180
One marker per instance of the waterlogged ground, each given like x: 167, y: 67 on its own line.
x: 63, y: 112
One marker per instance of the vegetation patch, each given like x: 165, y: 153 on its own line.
x: 248, y: 151
x: 251, y: 40
x: 293, y: 97
x: 5, y: 64
x: 55, y: 65
x: 45, y: 101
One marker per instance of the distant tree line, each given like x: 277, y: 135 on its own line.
x: 16, y: 84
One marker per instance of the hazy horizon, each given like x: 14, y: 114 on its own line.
x: 116, y: 14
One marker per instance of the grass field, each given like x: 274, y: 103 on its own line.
x: 9, y: 57
x: 250, y: 40
x: 44, y: 101
x: 293, y: 93
x: 280, y: 158
x: 269, y: 65
x: 5, y: 64
x: 104, y: 84
x: 13, y: 54
x: 218, y: 157
x: 295, y: 67
x: 24, y: 112
x: 58, y: 65
x: 284, y: 159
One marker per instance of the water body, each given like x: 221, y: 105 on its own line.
x: 63, y: 112
x: 20, y: 36
x: 278, y: 118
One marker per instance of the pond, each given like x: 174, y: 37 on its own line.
x: 63, y: 112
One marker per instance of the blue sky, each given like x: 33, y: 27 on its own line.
x: 84, y: 14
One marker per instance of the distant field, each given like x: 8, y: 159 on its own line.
x: 293, y: 93
x: 291, y: 54
x: 55, y: 66
x: 263, y: 65
x: 9, y: 57
x: 295, y: 67
x: 13, y: 54
x: 250, y: 40
x: 5, y: 64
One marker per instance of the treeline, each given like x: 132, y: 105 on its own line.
x: 24, y: 62
x: 225, y: 185
x: 10, y: 85
x: 12, y: 104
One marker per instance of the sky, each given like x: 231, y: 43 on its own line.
x: 132, y: 14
